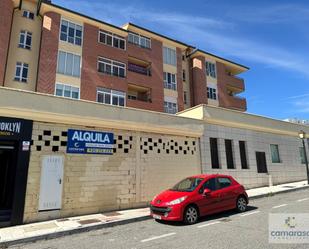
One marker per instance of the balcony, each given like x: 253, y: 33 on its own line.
x: 139, y: 69
x: 233, y: 102
x: 139, y: 66
x: 233, y: 82
x: 139, y: 93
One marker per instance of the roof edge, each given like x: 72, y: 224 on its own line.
x: 155, y: 33
x: 82, y: 15
x: 221, y: 58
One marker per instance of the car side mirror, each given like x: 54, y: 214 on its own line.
x: 206, y: 192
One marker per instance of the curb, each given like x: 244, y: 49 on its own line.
x: 71, y: 232
x: 277, y: 193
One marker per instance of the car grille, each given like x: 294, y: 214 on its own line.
x: 160, y: 210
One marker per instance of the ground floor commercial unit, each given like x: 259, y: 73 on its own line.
x: 130, y: 156
x: 62, y: 157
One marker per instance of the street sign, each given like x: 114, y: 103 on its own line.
x: 90, y: 142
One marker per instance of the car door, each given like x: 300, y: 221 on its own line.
x: 208, y: 204
x: 227, y: 193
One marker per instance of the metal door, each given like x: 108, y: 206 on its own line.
x: 51, y: 183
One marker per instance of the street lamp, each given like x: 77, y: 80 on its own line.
x: 302, y: 136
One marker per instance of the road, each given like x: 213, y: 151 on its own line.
x: 226, y: 230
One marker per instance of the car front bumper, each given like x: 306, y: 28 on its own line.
x: 173, y: 213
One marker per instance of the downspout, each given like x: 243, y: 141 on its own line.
x: 40, y: 46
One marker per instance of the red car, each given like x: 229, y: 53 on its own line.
x: 197, y: 196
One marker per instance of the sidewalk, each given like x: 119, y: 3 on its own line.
x: 61, y: 227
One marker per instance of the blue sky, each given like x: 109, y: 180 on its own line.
x: 269, y: 36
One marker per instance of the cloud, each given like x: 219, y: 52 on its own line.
x: 271, y: 14
x: 299, y: 96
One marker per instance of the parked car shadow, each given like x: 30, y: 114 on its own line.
x: 224, y: 216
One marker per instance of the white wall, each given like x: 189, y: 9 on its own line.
x: 289, y: 170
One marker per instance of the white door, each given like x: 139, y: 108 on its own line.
x: 51, y: 183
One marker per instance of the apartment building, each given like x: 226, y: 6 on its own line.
x: 53, y: 50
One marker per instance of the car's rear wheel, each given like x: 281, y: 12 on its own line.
x: 241, y: 204
x: 191, y: 215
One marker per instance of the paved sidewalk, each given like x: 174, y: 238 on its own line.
x: 61, y: 227
x: 268, y: 191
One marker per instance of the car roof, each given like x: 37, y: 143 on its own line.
x: 204, y: 176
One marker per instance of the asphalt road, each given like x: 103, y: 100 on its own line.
x: 226, y: 230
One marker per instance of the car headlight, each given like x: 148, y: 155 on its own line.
x: 177, y: 201
x: 154, y: 197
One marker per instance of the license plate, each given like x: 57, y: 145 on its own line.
x: 157, y: 217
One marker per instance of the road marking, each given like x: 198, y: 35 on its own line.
x: 158, y: 237
x: 305, y: 199
x: 279, y: 206
x: 255, y: 212
x: 209, y: 224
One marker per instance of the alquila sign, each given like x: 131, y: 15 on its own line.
x: 90, y: 142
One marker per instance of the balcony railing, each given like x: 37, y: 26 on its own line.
x: 235, y: 82
x: 139, y: 69
x: 235, y: 102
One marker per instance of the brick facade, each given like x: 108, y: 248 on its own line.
x: 199, y: 84
x: 48, y: 53
x: 91, y: 79
x: 225, y: 100
x: 149, y: 88
x: 155, y: 81
x: 6, y: 14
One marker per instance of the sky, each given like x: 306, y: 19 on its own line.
x: 269, y: 36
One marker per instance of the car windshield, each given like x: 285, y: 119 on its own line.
x: 187, y: 185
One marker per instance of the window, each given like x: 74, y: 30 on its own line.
x: 183, y: 75
x: 68, y: 64
x: 210, y: 184
x: 223, y: 182
x: 170, y: 81
x: 111, y: 97
x: 28, y: 14
x: 71, y: 32
x: 67, y: 91
x: 274, y: 150
x: 21, y: 72
x: 211, y: 69
x: 111, y: 67
x: 187, y: 185
x: 169, y: 56
x: 132, y: 96
x: 170, y: 107
x: 243, y: 155
x: 112, y: 40
x: 302, y: 155
x: 229, y: 154
x: 139, y: 40
x: 185, y: 98
x: 212, y: 93
x: 25, y: 39
x: 214, y: 153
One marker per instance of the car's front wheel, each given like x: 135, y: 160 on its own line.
x: 241, y: 204
x: 191, y: 215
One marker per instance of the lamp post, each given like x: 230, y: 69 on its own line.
x: 302, y: 136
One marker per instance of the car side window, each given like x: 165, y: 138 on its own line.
x: 224, y: 182
x: 210, y: 184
